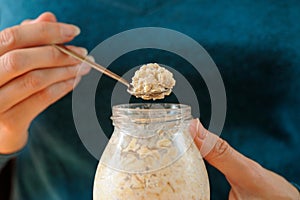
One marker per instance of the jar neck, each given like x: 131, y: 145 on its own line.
x: 142, y: 120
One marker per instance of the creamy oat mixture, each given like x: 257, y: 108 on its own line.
x: 152, y: 81
x: 167, y: 166
x: 181, y: 180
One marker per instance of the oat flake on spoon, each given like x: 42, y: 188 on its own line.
x: 152, y: 81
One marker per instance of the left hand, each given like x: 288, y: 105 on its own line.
x: 248, y: 179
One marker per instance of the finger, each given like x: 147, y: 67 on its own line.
x: 34, y: 81
x: 46, y: 17
x: 235, y: 166
x: 28, y: 109
x: 36, y: 34
x: 20, y: 61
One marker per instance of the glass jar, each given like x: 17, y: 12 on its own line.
x: 151, y: 155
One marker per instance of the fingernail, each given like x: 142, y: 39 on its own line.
x: 70, y: 30
x: 84, y: 68
x: 194, y: 127
x: 91, y: 58
x: 203, y: 133
x: 80, y: 50
x: 84, y: 51
x: 197, y: 129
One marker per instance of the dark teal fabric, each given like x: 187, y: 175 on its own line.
x: 255, y: 44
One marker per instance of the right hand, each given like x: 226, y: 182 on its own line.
x: 33, y: 74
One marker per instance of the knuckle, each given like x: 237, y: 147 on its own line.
x: 8, y: 37
x: 54, y: 54
x: 45, y: 95
x: 221, y: 148
x: 32, y: 80
x: 43, y: 28
x: 26, y: 21
x: 10, y: 62
x: 46, y: 29
x: 55, y: 91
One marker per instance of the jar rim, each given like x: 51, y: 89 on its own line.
x: 146, y: 107
x: 151, y: 112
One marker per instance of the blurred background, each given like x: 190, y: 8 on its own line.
x: 255, y: 45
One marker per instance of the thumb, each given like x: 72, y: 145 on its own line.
x: 217, y: 152
x: 45, y: 17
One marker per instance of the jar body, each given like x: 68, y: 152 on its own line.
x: 156, y: 160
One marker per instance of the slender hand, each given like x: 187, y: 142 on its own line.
x: 33, y: 74
x: 248, y: 179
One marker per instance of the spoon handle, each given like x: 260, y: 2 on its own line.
x: 92, y: 64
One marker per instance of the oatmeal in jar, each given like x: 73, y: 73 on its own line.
x: 151, y: 155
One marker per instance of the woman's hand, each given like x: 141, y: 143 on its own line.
x: 33, y: 74
x: 247, y: 178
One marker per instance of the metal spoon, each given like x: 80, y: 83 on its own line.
x: 130, y: 88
